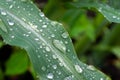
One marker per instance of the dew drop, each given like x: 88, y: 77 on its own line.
x: 52, y: 35
x: 54, y: 66
x: 114, y: 17
x: 3, y: 13
x: 12, y: 36
x: 50, y: 76
x: 10, y: 23
x: 54, y: 57
x: 101, y: 79
x: 78, y: 69
x: 90, y: 67
x: 65, y: 35
x: 44, y: 26
x: 47, y: 49
x: 59, y: 45
x: 43, y: 68
x: 36, y: 39
x: 10, y: 6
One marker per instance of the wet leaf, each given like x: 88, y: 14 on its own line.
x: 48, y: 44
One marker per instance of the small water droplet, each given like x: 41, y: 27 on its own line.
x: 10, y: 6
x: 52, y: 35
x: 114, y: 17
x: 3, y: 13
x: 44, y: 26
x: 11, y: 23
x: 43, y: 68
x: 38, y: 56
x: 54, y: 66
x: 101, y: 79
x: 54, y: 57
x: 65, y: 35
x: 47, y: 49
x: 59, y: 45
x: 78, y: 69
x: 12, y: 36
x: 36, y: 39
x: 50, y: 76
x: 61, y: 64
x: 90, y: 67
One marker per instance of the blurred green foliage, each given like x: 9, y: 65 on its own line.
x: 96, y: 40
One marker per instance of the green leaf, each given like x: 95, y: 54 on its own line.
x: 108, y: 12
x: 17, y: 64
x: 116, y: 51
x: 48, y: 44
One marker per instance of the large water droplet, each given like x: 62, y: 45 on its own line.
x: 59, y: 45
x: 65, y: 35
x: 50, y: 76
x: 78, y: 69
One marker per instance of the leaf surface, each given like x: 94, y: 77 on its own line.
x: 48, y: 44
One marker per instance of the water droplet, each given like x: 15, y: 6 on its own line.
x: 59, y: 45
x: 43, y: 68
x: 61, y: 64
x: 54, y: 57
x: 12, y: 36
x: 40, y: 46
x: 78, y: 69
x: 50, y: 76
x: 36, y: 39
x: 47, y: 49
x: 54, y: 66
x: 114, y: 17
x: 90, y: 67
x: 65, y: 35
x: 38, y: 56
x: 11, y: 23
x: 66, y: 42
x: 101, y: 79
x: 52, y: 35
x: 3, y: 13
x: 10, y: 6
x: 44, y: 26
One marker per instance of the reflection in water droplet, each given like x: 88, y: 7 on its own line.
x: 65, y: 35
x: 50, y: 76
x: 59, y: 45
x: 78, y: 69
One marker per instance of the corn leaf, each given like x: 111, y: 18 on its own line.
x: 48, y: 45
